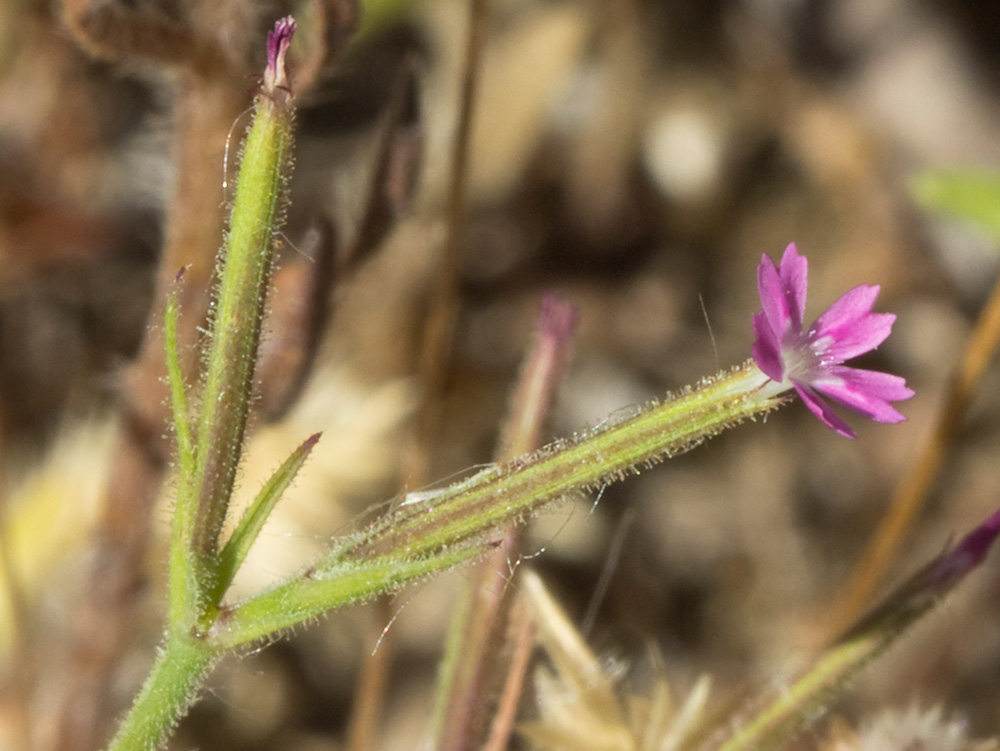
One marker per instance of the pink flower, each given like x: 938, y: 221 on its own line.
x: 810, y: 360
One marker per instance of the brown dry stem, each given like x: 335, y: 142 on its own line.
x: 435, y: 357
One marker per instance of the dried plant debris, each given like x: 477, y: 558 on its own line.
x: 583, y: 704
x: 911, y: 729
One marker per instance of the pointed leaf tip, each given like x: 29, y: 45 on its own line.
x: 252, y: 522
x: 951, y: 567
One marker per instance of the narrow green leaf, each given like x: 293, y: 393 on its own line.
x: 314, y: 593
x: 253, y: 519
x: 969, y: 194
x: 183, y: 576
x: 175, y: 377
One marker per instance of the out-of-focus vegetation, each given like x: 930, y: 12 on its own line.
x: 638, y: 157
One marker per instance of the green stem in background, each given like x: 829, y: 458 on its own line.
x: 916, y: 485
x: 785, y: 713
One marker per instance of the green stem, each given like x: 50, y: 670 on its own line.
x: 432, y: 532
x: 310, y: 595
x: 504, y: 493
x: 170, y: 689
x: 208, y: 461
x: 785, y: 712
x: 237, y: 321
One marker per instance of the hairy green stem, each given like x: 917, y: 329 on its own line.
x: 431, y: 532
x: 236, y: 324
x: 504, y: 493
x: 170, y: 689
x: 207, y: 462
x: 311, y: 595
x: 183, y: 587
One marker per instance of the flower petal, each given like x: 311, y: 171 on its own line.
x: 279, y: 40
x: 850, y: 326
x: 864, y: 336
x: 822, y: 410
x: 867, y: 392
x: 774, y: 302
x: 766, y: 349
x: 812, y: 360
x: 794, y: 272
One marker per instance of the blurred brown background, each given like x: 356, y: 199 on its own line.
x: 635, y: 156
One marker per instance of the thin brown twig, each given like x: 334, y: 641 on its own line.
x: 523, y: 628
x: 433, y: 365
x: 479, y: 646
x: 435, y: 355
x: 912, y: 492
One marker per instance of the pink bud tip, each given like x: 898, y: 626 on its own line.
x: 278, y: 41
x: 558, y: 318
x: 966, y: 555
